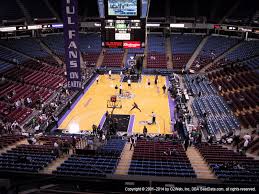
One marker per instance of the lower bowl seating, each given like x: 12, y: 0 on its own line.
x: 149, y: 159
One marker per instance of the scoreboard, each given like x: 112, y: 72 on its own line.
x: 123, y: 25
x: 123, y: 33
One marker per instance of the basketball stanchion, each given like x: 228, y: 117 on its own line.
x: 114, y: 103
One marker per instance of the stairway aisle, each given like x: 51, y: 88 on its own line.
x: 145, y: 56
x: 124, y: 60
x: 199, y: 165
x: 124, y: 163
x: 168, y: 50
x: 99, y: 61
x: 196, y: 52
x: 221, y: 57
x: 56, y: 163
x: 49, y: 51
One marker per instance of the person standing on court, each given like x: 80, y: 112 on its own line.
x: 97, y: 79
x: 145, y: 131
x: 156, y: 79
x: 120, y: 89
x: 110, y: 74
x: 164, y: 88
x: 132, y: 142
x: 129, y: 82
x: 153, y: 118
x: 148, y: 82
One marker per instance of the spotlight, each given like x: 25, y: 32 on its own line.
x: 73, y: 127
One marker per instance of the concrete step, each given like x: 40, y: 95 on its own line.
x: 199, y: 165
x: 124, y: 163
x: 56, y: 163
x: 196, y: 52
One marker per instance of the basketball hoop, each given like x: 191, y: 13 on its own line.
x: 113, y: 98
x: 114, y: 103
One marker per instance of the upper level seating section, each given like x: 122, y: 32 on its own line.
x: 27, y: 158
x: 156, y: 43
x: 156, y: 51
x: 103, y: 162
x: 246, y: 65
x: 149, y: 159
x: 13, y: 114
x: 55, y: 43
x: 44, y: 67
x: 28, y: 46
x: 90, y: 43
x: 183, y: 47
x: 113, y: 58
x: 42, y: 11
x: 90, y: 46
x: 4, y: 66
x: 9, y: 10
x: 214, y: 47
x: 246, y: 50
x: 216, y: 156
x: 7, y: 140
x: 12, y: 56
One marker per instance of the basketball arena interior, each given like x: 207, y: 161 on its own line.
x: 129, y: 96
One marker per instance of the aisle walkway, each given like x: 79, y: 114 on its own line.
x: 199, y: 165
x: 124, y: 163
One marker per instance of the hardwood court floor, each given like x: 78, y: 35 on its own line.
x: 92, y: 106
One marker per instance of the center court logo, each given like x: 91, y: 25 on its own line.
x: 126, y: 95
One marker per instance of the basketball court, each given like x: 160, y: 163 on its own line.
x: 91, y: 107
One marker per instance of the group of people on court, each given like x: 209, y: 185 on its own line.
x: 129, y: 81
x: 135, y: 105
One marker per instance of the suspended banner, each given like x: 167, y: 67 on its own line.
x: 71, y: 36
